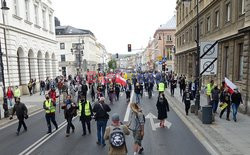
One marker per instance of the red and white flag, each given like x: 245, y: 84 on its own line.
x: 120, y: 80
x: 230, y: 85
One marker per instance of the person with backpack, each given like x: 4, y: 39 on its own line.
x: 115, y: 134
x: 69, y: 112
x: 101, y: 116
x: 137, y: 126
x: 86, y: 113
x: 187, y: 99
x: 22, y: 113
x: 163, y: 108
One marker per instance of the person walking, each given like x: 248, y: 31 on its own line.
x: 30, y: 85
x: 17, y: 93
x: 136, y: 124
x: 225, y: 99
x: 115, y: 134
x: 117, y: 91
x: 209, y: 88
x: 34, y: 86
x: 101, y: 116
x: 10, y: 96
x: 182, y: 84
x: 86, y: 113
x: 161, y: 87
x: 215, y: 98
x: 69, y: 112
x: 163, y: 108
x: 52, y: 95
x: 111, y: 93
x: 84, y: 89
x: 173, y: 85
x: 42, y: 87
x: 236, y: 101
x: 92, y: 90
x: 187, y: 99
x: 137, y: 92
x: 22, y: 113
x: 50, y: 111
x: 128, y: 90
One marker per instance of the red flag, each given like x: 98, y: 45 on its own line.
x: 231, y: 86
x: 120, y: 80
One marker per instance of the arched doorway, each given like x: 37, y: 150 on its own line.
x: 31, y: 64
x: 54, y: 66
x: 40, y: 65
x: 48, y: 65
x: 20, y: 66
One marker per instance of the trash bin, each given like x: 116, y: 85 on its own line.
x: 207, y: 116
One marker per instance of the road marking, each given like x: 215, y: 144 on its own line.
x: 126, y: 117
x: 14, y: 122
x: 121, y: 94
x: 151, y: 117
x: 42, y: 140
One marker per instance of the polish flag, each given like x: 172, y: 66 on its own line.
x: 120, y: 80
x: 230, y: 85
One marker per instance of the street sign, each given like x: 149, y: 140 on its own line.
x: 205, y: 46
x: 159, y: 58
x: 212, y: 70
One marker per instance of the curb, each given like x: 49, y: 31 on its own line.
x: 3, y: 125
x: 212, y: 149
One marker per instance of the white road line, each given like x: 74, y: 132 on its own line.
x: 126, y: 117
x: 14, y: 122
x: 42, y: 140
x: 121, y: 94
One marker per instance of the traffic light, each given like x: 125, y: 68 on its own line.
x: 129, y: 47
x: 117, y: 55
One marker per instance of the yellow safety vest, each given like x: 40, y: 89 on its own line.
x: 87, y: 109
x: 209, y: 89
x: 49, y: 105
x: 161, y: 87
x: 17, y: 93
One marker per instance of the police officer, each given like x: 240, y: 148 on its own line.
x: 86, y: 113
x: 50, y: 111
x: 161, y: 87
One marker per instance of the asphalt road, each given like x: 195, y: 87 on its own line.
x: 178, y: 140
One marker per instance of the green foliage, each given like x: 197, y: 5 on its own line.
x: 112, y: 64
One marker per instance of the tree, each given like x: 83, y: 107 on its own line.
x: 112, y: 64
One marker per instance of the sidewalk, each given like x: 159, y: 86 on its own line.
x: 226, y: 137
x: 34, y: 103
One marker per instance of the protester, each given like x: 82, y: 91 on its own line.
x: 236, y: 101
x: 137, y: 92
x: 117, y: 91
x: 50, y: 110
x: 69, y: 112
x: 128, y: 90
x: 215, y: 98
x: 84, y: 89
x: 226, y: 103
x: 86, y: 114
x: 17, y: 93
x: 209, y: 88
x: 137, y: 126
x: 115, y: 134
x: 30, y: 85
x: 22, y: 113
x: 163, y: 108
x: 101, y: 116
x: 42, y: 87
x: 92, y: 91
x: 10, y: 96
x: 187, y: 99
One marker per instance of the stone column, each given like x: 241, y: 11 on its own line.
x: 42, y: 70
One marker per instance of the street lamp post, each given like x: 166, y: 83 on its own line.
x: 5, y: 106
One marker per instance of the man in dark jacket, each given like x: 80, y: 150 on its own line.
x: 101, y: 116
x: 187, y: 99
x: 236, y: 101
x: 225, y: 98
x: 215, y: 98
x: 42, y: 87
x: 22, y: 113
x: 84, y: 90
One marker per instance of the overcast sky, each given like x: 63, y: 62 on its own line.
x: 116, y: 23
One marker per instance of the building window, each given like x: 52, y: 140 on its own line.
x: 27, y: 10
x: 36, y: 14
x: 62, y: 46
x: 217, y: 19
x: 228, y: 12
x: 63, y: 59
x: 169, y: 38
x: 50, y: 23
x: 201, y: 28
x: 241, y: 57
x: 16, y: 11
x: 208, y: 24
x: 44, y: 18
x: 242, y: 6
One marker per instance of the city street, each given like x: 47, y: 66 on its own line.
x: 178, y: 140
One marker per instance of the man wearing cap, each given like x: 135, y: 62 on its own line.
x: 101, y: 116
x: 114, y: 128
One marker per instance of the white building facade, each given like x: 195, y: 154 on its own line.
x: 92, y: 55
x: 30, y: 42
